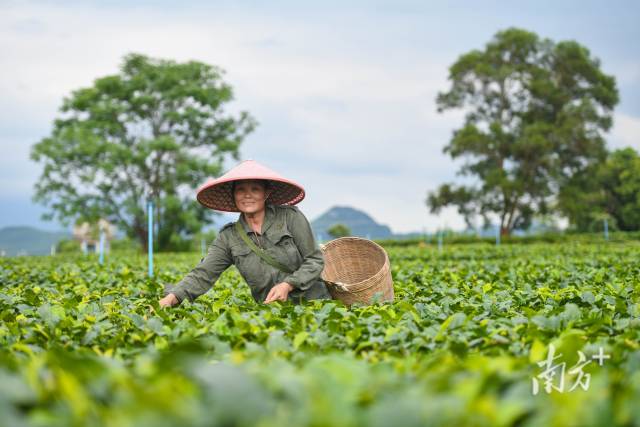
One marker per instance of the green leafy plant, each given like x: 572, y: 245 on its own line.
x: 85, y: 344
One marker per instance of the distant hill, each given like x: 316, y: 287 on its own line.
x: 21, y: 240
x: 360, y: 224
x: 28, y: 240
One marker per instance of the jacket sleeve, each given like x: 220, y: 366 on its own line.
x: 312, y: 258
x: 204, y: 275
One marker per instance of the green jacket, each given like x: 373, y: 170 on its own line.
x: 286, y: 236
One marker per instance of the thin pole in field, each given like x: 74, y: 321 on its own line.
x: 101, y: 257
x: 606, y: 229
x: 150, y: 229
x: 498, y: 236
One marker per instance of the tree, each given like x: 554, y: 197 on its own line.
x: 581, y: 200
x: 536, y: 111
x: 157, y: 129
x: 620, y: 178
x: 339, y: 230
x: 611, y: 190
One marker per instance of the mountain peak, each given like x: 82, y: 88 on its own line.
x: 359, y: 222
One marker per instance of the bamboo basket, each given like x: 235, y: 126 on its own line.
x: 356, y: 270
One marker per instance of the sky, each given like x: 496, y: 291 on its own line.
x: 343, y: 91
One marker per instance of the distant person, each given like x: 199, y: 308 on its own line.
x: 271, y: 244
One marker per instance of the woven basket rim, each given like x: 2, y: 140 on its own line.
x: 370, y: 281
x: 346, y: 238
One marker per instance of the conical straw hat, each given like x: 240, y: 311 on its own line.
x: 217, y: 193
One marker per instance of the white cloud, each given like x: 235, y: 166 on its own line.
x: 626, y: 71
x: 625, y: 132
x: 345, y: 100
x: 336, y: 110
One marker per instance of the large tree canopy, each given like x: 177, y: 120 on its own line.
x: 536, y: 111
x: 609, y: 190
x: 157, y: 129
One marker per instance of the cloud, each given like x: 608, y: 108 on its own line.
x: 344, y: 93
x: 334, y: 114
x: 625, y: 132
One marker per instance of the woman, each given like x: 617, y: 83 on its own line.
x: 271, y: 244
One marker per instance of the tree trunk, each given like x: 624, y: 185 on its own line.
x: 143, y: 238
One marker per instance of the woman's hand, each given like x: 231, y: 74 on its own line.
x: 279, y: 292
x: 168, y: 301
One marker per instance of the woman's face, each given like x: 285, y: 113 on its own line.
x: 250, y: 195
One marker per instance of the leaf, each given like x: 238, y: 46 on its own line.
x: 452, y: 322
x: 155, y: 324
x: 538, y: 351
x: 299, y: 339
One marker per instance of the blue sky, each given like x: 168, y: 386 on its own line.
x: 343, y: 91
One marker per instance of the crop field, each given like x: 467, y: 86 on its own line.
x: 478, y: 335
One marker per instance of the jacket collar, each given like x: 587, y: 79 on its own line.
x: 269, y: 219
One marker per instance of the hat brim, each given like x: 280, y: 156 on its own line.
x: 218, y: 194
